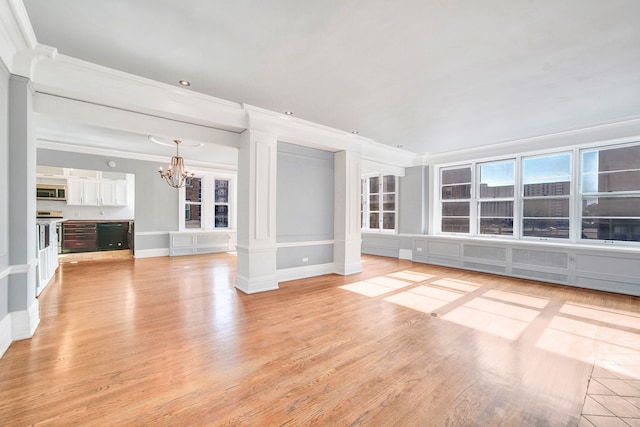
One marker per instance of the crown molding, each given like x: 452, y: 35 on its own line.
x: 129, y: 121
x: 50, y: 144
x: 611, y: 131
x: 72, y: 78
x: 302, y: 132
x: 16, y: 33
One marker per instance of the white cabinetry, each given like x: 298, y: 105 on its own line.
x: 201, y: 242
x: 97, y: 192
x: 74, y: 191
x: 113, y: 192
x: 47, y: 258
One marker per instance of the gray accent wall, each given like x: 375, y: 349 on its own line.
x: 4, y: 191
x: 156, y: 204
x: 413, y: 195
x: 290, y: 257
x: 305, y: 205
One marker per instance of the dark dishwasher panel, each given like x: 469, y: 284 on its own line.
x: 112, y: 235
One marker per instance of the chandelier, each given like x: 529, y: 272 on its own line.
x: 176, y: 172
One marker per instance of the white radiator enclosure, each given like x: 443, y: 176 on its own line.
x: 612, y: 269
x: 201, y: 242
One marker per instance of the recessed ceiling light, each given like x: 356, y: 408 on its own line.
x: 289, y: 113
x: 355, y: 132
x: 184, y: 83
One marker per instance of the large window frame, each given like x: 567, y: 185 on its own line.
x: 455, y: 195
x: 546, y: 196
x: 379, y: 203
x: 609, y: 200
x: 211, y: 201
x: 496, y: 191
x: 553, y: 207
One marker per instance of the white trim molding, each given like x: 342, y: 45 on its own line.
x: 255, y: 285
x: 19, y: 268
x: 16, y: 32
x: 307, y: 243
x: 25, y: 322
x: 287, y: 274
x: 150, y: 253
x: 5, y: 334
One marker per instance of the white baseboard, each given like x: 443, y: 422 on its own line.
x: 5, y: 334
x: 347, y: 269
x: 150, y: 253
x: 296, y: 273
x: 405, y: 254
x: 253, y: 286
x: 25, y: 322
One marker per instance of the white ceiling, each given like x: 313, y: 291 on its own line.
x: 428, y: 75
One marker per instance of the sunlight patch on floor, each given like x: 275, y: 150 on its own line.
x: 570, y: 338
x: 459, y: 285
x: 618, y: 317
x: 423, y: 298
x: 517, y: 298
x: 495, y: 318
x: 377, y: 285
x: 411, y: 276
x: 389, y: 282
x: 366, y: 288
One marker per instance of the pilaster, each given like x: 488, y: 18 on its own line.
x: 22, y: 209
x: 347, y: 248
x: 257, y: 163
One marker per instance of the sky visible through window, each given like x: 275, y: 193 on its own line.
x: 536, y: 170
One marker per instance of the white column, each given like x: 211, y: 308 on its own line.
x: 346, y: 231
x: 257, y: 163
x: 23, y: 305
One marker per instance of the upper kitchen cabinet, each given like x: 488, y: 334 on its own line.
x: 83, y: 191
x: 96, y: 192
x: 113, y: 192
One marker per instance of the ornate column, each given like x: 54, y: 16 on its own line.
x: 257, y: 163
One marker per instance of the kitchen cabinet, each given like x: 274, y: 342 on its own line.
x: 91, y: 236
x: 79, y: 237
x: 47, y: 254
x: 83, y: 192
x: 113, y: 192
x: 97, y: 192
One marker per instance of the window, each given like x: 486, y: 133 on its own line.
x: 208, y: 203
x: 456, y: 199
x: 610, y: 194
x: 378, y: 203
x: 536, y: 196
x: 495, y: 201
x: 193, y: 203
x: 546, y: 196
x: 221, y: 199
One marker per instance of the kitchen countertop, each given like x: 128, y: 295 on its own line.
x: 49, y: 220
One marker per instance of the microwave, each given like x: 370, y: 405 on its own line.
x: 51, y: 192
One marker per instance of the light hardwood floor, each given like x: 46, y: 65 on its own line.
x: 169, y: 341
